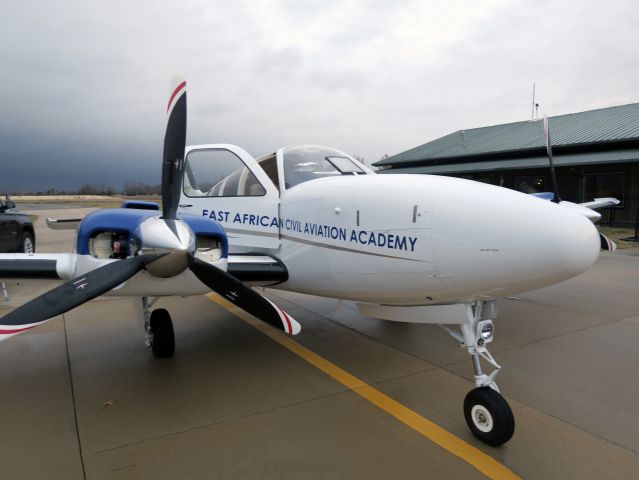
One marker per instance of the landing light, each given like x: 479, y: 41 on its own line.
x: 486, y: 330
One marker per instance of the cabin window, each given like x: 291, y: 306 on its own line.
x: 302, y: 164
x: 219, y: 173
x: 269, y: 165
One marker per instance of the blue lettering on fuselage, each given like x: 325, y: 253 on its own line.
x: 217, y: 215
x: 376, y: 239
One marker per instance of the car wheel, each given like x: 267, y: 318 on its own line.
x: 28, y: 243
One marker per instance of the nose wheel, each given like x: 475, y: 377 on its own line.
x: 489, y: 416
x: 163, y: 342
x: 487, y: 413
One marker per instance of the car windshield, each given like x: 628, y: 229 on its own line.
x: 302, y: 164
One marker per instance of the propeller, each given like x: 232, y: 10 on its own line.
x: 586, y: 210
x: 242, y: 296
x: 167, y: 249
x: 174, y: 144
x: 72, y: 294
x: 555, y: 185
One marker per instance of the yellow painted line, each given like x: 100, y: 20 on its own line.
x: 465, y: 451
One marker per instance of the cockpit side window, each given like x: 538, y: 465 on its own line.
x: 219, y: 173
x: 302, y: 164
x: 269, y: 165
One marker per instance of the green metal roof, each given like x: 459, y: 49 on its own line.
x: 614, y: 156
x: 614, y: 124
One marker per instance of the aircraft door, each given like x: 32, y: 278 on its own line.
x: 226, y: 184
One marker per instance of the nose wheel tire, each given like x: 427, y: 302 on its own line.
x: 489, y: 416
x: 163, y: 344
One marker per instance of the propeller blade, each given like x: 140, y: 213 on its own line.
x: 174, y: 144
x: 244, y: 297
x: 555, y: 185
x: 606, y: 243
x: 71, y: 294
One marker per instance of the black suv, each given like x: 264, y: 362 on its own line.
x: 16, y: 229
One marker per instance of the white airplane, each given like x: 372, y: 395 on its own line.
x: 311, y: 219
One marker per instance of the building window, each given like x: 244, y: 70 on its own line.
x: 533, y: 184
x: 600, y: 185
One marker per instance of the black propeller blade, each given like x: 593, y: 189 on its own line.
x: 244, y: 297
x: 174, y: 144
x: 555, y: 185
x: 72, y: 294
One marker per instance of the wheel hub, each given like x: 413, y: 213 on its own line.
x: 28, y: 245
x: 482, y: 418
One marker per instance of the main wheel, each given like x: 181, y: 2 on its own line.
x: 163, y: 338
x: 489, y: 416
x: 27, y: 245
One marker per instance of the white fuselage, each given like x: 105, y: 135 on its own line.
x: 426, y: 239
x: 403, y: 239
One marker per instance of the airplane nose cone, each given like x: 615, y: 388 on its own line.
x: 506, y: 242
x: 548, y: 243
x: 576, y: 241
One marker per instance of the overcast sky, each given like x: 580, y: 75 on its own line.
x: 85, y: 84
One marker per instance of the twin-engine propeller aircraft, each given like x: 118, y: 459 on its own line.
x: 311, y: 219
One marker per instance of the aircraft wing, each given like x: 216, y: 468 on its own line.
x: 598, y: 203
x: 63, y: 223
x: 52, y: 266
x: 582, y: 209
x: 36, y: 265
x: 587, y: 209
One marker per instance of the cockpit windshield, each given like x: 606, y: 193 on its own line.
x: 305, y: 163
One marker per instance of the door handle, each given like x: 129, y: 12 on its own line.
x: 186, y: 205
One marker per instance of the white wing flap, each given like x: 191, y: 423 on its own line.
x: 601, y: 203
x: 63, y: 223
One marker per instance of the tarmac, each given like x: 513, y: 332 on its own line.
x: 81, y: 397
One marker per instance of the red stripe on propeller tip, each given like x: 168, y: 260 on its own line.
x: 288, y: 321
x: 17, y: 330
x: 174, y: 94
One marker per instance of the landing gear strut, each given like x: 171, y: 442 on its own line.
x: 487, y: 413
x: 158, y: 329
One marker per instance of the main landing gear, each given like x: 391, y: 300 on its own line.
x: 158, y: 328
x: 487, y: 413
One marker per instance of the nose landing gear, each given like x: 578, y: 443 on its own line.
x: 487, y: 413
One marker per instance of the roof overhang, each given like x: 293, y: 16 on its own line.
x: 615, y: 156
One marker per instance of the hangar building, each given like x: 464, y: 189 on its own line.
x: 596, y: 154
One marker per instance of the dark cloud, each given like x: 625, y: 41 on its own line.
x: 85, y: 83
